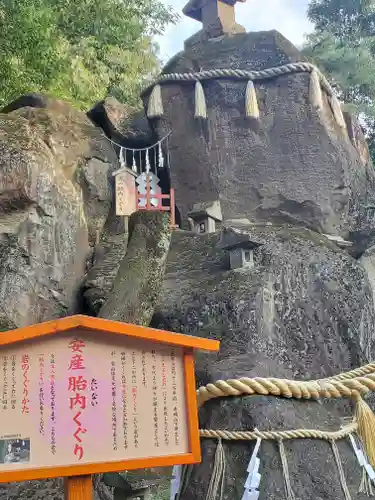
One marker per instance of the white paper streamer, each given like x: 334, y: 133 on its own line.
x: 148, y: 161
x: 158, y: 154
x: 153, y: 183
x: 362, y: 459
x: 134, y: 165
x: 123, y: 157
x: 161, y: 157
x: 253, y: 479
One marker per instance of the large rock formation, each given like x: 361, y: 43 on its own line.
x: 54, y: 196
x: 122, y: 124
x: 294, y: 165
x: 305, y: 310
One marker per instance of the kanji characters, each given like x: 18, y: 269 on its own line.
x: 77, y: 345
x: 76, y: 362
x: 77, y: 383
x: 78, y: 400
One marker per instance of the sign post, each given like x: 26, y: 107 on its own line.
x: 82, y: 396
x: 78, y: 488
x: 126, y: 194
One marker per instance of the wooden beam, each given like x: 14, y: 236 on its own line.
x: 78, y: 488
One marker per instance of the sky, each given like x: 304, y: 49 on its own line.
x: 286, y: 16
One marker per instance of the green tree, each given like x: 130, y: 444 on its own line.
x: 343, y: 18
x: 343, y: 46
x: 79, y: 50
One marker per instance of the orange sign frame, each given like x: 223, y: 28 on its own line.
x: 189, y: 344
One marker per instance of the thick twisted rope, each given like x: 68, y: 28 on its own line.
x: 276, y: 435
x: 350, y: 385
x: 357, y: 372
x: 239, y: 74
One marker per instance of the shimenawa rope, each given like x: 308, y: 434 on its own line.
x: 351, y: 384
x: 240, y: 74
x: 317, y: 82
x: 280, y: 434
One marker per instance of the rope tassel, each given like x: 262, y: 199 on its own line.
x: 251, y: 101
x: 366, y: 428
x: 337, y: 111
x: 315, y: 90
x: 216, y: 485
x: 155, y: 103
x: 200, y: 101
x: 288, y: 487
x: 341, y: 472
x: 366, y: 485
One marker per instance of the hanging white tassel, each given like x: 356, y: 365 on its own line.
x: 288, y: 487
x: 216, y: 486
x: 340, y: 469
x: 337, y: 111
x: 366, y: 485
x: 155, y: 103
x: 200, y: 101
x: 161, y: 157
x: 122, y: 158
x: 251, y: 101
x: 147, y: 154
x: 134, y: 164
x: 315, y: 90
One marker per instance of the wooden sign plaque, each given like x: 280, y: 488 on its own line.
x: 126, y: 192
x: 83, y: 395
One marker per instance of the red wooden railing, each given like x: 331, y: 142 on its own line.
x: 159, y: 197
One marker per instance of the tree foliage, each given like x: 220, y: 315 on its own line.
x: 343, y: 18
x: 79, y: 50
x: 343, y: 46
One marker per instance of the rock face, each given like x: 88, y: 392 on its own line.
x: 293, y: 165
x: 55, y: 194
x: 139, y: 279
x: 304, y: 311
x: 122, y: 124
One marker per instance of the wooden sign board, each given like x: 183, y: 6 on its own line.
x: 84, y: 395
x: 126, y: 192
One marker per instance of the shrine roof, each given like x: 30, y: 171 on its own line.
x: 109, y: 327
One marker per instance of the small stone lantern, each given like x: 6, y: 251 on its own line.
x: 240, y: 247
x: 241, y: 256
x: 205, y: 217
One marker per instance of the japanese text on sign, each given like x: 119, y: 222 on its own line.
x: 90, y: 398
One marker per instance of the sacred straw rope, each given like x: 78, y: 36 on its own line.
x: 240, y: 74
x: 357, y: 372
x: 350, y: 384
x: 276, y: 435
x: 318, y: 82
